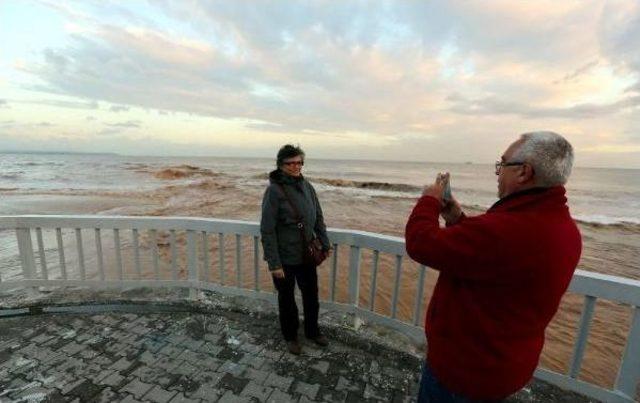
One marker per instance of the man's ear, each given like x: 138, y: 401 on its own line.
x: 526, y: 174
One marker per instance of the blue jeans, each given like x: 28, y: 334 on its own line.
x: 432, y: 391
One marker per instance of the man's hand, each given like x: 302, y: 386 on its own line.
x: 277, y: 273
x: 451, y: 211
x: 436, y: 189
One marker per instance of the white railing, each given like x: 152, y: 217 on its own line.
x: 198, y: 237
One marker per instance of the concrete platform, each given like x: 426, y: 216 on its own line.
x: 173, y: 353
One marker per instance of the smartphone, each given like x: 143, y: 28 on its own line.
x: 446, y: 194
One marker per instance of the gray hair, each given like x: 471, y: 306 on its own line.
x: 550, y: 155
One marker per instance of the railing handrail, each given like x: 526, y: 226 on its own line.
x: 613, y: 288
x: 591, y: 285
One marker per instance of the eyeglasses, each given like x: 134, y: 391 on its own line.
x: 301, y: 163
x: 500, y: 164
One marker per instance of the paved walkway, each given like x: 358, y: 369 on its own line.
x: 213, y: 349
x: 187, y: 357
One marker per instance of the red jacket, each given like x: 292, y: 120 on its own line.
x: 502, y: 275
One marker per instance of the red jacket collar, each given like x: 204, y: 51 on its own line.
x: 535, y: 197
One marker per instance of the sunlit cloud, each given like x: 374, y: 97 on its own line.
x: 417, y: 78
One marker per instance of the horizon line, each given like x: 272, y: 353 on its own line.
x: 35, y: 152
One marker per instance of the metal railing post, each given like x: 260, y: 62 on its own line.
x: 192, y: 264
x: 629, y: 374
x: 354, y: 280
x: 27, y: 258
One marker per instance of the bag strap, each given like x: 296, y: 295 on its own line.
x: 296, y: 212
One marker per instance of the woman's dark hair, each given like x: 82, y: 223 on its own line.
x: 288, y: 151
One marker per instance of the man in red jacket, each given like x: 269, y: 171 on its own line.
x: 502, y: 273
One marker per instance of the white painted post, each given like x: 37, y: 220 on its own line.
x: 27, y: 259
x: 374, y: 279
x: 43, y: 259
x: 238, y: 261
x: 154, y: 253
x: 417, y: 309
x: 256, y: 262
x: 174, y: 255
x: 583, y: 332
x: 206, y: 266
x: 396, y: 287
x: 629, y: 374
x: 116, y: 241
x: 136, y: 253
x: 192, y: 263
x: 99, y: 252
x: 63, y: 264
x: 221, y: 256
x: 354, y: 275
x: 334, y: 269
x: 83, y: 273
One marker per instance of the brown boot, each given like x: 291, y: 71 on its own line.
x: 294, y: 347
x: 321, y: 340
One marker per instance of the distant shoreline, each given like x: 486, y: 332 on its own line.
x: 483, y: 163
x: 55, y: 153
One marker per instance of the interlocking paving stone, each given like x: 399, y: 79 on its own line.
x: 308, y: 390
x: 186, y: 369
x: 347, y: 385
x: 171, y: 350
x: 256, y: 375
x: 208, y: 377
x: 230, y: 397
x: 232, y: 368
x: 181, y: 398
x: 85, y: 390
x: 193, y: 357
x: 108, y: 395
x: 159, y: 395
x: 42, y: 338
x: 207, y: 393
x: 281, y: 382
x: 232, y: 383
x: 130, y: 399
x: 184, y: 384
x: 321, y: 366
x: 257, y: 391
x: 121, y: 364
x: 371, y: 392
x: 137, y: 388
x: 37, y: 393
x: 279, y: 396
x: 114, y: 379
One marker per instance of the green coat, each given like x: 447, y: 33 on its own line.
x: 281, y: 240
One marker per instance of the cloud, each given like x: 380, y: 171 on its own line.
x: 129, y: 124
x: 491, y: 106
x: 347, y: 67
x: 65, y: 104
x: 401, y: 71
x: 119, y: 108
x: 578, y: 72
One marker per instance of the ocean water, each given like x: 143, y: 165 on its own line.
x: 596, y: 195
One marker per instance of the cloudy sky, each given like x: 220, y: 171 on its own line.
x: 400, y: 80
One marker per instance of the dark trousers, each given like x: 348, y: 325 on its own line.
x: 432, y: 391
x: 307, y: 278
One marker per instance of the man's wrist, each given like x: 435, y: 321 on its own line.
x: 454, y: 220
